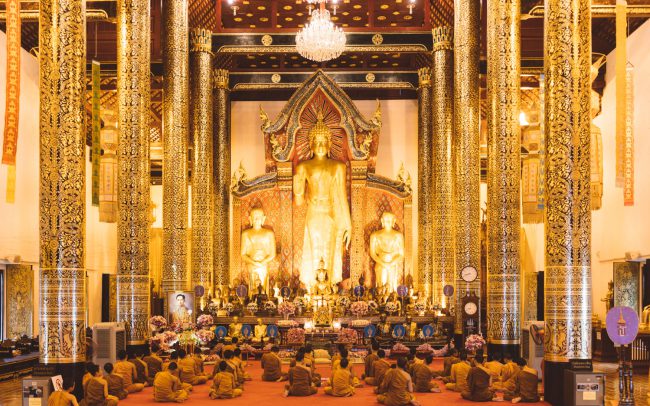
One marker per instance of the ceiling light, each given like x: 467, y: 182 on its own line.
x: 320, y: 40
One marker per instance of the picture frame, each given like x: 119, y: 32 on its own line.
x: 180, y: 307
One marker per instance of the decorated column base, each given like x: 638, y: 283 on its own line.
x: 554, y: 382
x: 503, y: 349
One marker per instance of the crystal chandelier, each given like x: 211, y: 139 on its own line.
x: 320, y: 40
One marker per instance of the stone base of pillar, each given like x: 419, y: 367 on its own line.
x: 75, y: 371
x: 513, y: 350
x: 554, y: 382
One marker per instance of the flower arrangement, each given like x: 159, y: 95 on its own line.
x: 391, y: 307
x: 287, y: 323
x: 286, y: 308
x: 347, y: 336
x: 420, y: 307
x: 296, y: 335
x: 343, y: 301
x: 205, y: 336
x: 229, y: 307
x: 399, y: 347
x: 269, y: 306
x: 188, y: 326
x: 176, y: 327
x: 252, y: 307
x: 424, y: 348
x: 165, y: 340
x: 443, y: 351
x: 359, y: 308
x: 204, y: 320
x: 300, y: 302
x: 187, y: 337
x: 158, y: 322
x: 474, y: 342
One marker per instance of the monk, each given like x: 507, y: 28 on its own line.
x: 458, y: 377
x: 421, y: 375
x: 494, y: 365
x: 340, y: 348
x: 450, y: 359
x: 343, y: 353
x: 63, y: 397
x: 234, y: 343
x: 232, y: 368
x: 142, y: 372
x: 526, y: 381
x: 368, y: 370
x: 188, y: 369
x: 508, y: 373
x: 96, y: 388
x: 396, y: 388
x: 272, y: 366
x: 224, y: 385
x: 379, y: 368
x: 310, y: 361
x: 478, y: 382
x: 173, y: 358
x: 153, y: 361
x: 341, y: 381
x: 239, y: 362
x: 167, y: 387
x: 127, y: 371
x: 196, y: 356
x: 300, y: 379
x: 115, y: 383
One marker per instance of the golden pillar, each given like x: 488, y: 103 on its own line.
x: 567, y: 276
x: 467, y: 165
x: 425, y: 184
x: 133, y: 90
x: 504, y: 174
x: 443, y: 128
x: 201, y: 113
x: 62, y: 60
x: 221, y: 177
x: 175, y: 134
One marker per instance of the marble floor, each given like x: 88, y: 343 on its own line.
x: 10, y: 391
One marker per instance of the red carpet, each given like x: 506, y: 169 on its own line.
x: 259, y: 393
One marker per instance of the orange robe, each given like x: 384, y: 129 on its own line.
x: 396, y: 388
x: 300, y: 381
x: 272, y: 366
x: 380, y: 367
x: 341, y: 383
x: 478, y: 383
x: 422, y: 375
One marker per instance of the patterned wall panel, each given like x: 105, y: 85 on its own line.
x: 627, y: 285
x: 19, y: 300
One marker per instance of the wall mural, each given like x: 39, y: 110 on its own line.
x: 20, y: 300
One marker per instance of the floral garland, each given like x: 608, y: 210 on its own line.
x: 269, y: 306
x: 252, y: 307
x: 424, y: 348
x: 205, y: 336
x: 399, y: 347
x: 474, y: 342
x: 359, y: 308
x: 296, y: 335
x: 286, y: 308
x: 347, y: 336
x: 420, y: 307
x: 391, y: 307
x: 204, y: 320
x: 165, y: 339
x: 158, y: 322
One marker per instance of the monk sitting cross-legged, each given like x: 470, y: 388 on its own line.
x: 173, y: 358
x: 396, y: 388
x: 478, y: 382
x: 450, y: 359
x: 311, y: 362
x: 232, y: 368
x: 63, y: 397
x: 189, y: 371
x: 153, y: 361
x: 421, y: 375
x: 337, y: 364
x: 342, y: 381
x: 115, y: 383
x: 379, y: 369
x: 494, y: 365
x: 272, y: 366
x: 300, y: 379
x: 167, y: 387
x: 127, y: 371
x: 96, y: 389
x: 458, y: 375
x: 369, y: 371
x: 224, y: 385
x: 525, y: 385
x: 508, y: 373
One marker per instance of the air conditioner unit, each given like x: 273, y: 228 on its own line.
x: 109, y: 339
x: 532, y: 344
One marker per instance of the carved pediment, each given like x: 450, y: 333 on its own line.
x: 353, y: 136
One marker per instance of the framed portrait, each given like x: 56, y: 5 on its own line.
x: 180, y: 307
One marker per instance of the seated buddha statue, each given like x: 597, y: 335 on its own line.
x: 259, y: 333
x: 322, y: 286
x: 260, y: 297
x: 234, y: 329
x: 411, y: 328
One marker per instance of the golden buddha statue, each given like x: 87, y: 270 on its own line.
x: 258, y: 249
x: 234, y: 329
x: 387, y: 250
x: 259, y: 333
x: 321, y: 182
x: 322, y: 290
x: 645, y: 319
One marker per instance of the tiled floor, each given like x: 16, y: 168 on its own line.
x: 10, y: 391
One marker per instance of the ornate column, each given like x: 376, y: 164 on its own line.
x: 425, y: 184
x: 201, y: 113
x: 567, y: 276
x: 358, y: 256
x: 504, y: 174
x: 175, y: 134
x: 443, y: 129
x: 467, y: 165
x: 62, y: 44
x: 221, y: 95
x: 133, y: 90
